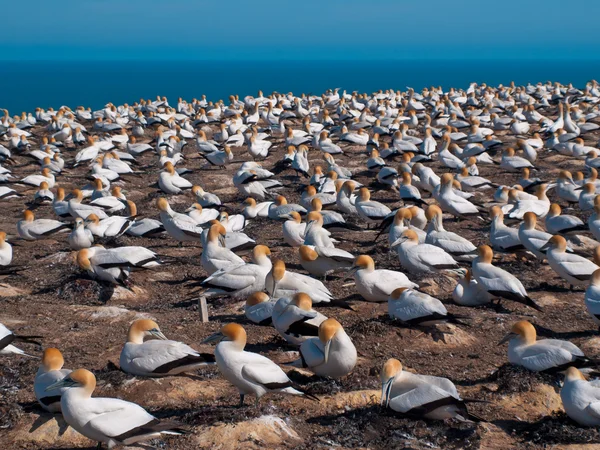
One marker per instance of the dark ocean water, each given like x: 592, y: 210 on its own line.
x: 27, y: 85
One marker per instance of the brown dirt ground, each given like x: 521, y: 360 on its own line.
x: 56, y: 301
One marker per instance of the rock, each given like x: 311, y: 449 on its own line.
x: 109, y: 313
x: 133, y: 293
x: 591, y: 346
x: 6, y: 290
x: 547, y: 300
x: 265, y: 431
x: 60, y: 257
x: 531, y: 406
x: 456, y: 337
x: 47, y: 430
x: 352, y: 399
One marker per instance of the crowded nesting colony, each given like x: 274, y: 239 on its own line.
x: 444, y: 216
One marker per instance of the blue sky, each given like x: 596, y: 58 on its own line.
x: 308, y: 29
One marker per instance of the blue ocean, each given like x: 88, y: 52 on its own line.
x: 27, y: 85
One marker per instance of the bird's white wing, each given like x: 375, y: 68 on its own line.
x: 114, y: 417
x: 334, y: 253
x: 415, y: 398
x: 434, y: 256
x: 266, y: 373
x: 541, y: 356
x: 312, y: 352
x: 594, y: 409
x: 153, y: 354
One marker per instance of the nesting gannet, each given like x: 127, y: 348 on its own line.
x: 295, y: 320
x: 452, y: 202
x: 581, y: 398
x: 250, y: 372
x: 259, y: 308
x: 280, y: 282
x: 468, y: 292
x: 7, y: 337
x: 6, y: 252
x: 546, y: 355
x: 502, y: 237
x: 315, y: 234
x: 78, y: 209
x: 50, y: 371
x: 368, y: 210
x: 457, y: 246
x: 531, y: 238
x: 30, y: 228
x: 201, y: 215
x: 111, y: 227
x: 557, y: 223
x: 587, y: 197
x: 376, y: 285
x: 80, y: 237
x: 158, y: 357
x: 281, y: 207
x: 417, y: 308
x: 575, y: 269
x: 321, y: 261
x: 242, y: 280
x: 253, y: 210
x: 170, y: 182
x: 114, y: 265
x: 107, y: 420
x: 421, y: 395
x: 179, y: 226
x: 293, y: 229
x: 422, y: 258
x: 215, y: 256
x: 332, y: 354
x: 496, y: 281
x: 205, y: 199
x: 539, y: 205
x: 234, y: 223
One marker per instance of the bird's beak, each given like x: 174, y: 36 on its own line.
x: 327, y: 348
x: 350, y: 273
x: 578, y: 188
x: 159, y: 335
x: 65, y: 382
x: 397, y: 242
x: 222, y: 240
x: 215, y: 337
x: 386, y: 388
x: 545, y: 247
x: 506, y: 338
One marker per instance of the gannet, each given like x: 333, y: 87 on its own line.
x: 587, y: 197
x: 30, y: 228
x: 6, y: 251
x: 179, y: 226
x: 546, y: 355
x: 259, y: 308
x: 295, y: 320
x: 376, y: 285
x: 106, y: 420
x: 416, y: 308
x: 80, y: 237
x: 215, y: 256
x: 205, y: 199
x: 78, y: 209
x: 421, y: 395
x: 421, y: 258
x: 575, y: 269
x: 581, y: 398
x: 201, y: 215
x: 158, y: 357
x: 170, y: 182
x: 315, y: 234
x: 458, y: 247
x: 253, y: 210
x: 557, y: 223
x: 114, y: 265
x: 531, y: 238
x: 497, y: 282
x: 468, y: 292
x: 7, y: 337
x: 242, y: 280
x: 250, y: 372
x: 280, y: 282
x: 322, y: 261
x: 50, y: 371
x: 368, y: 210
x: 452, y: 202
x: 332, y: 354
